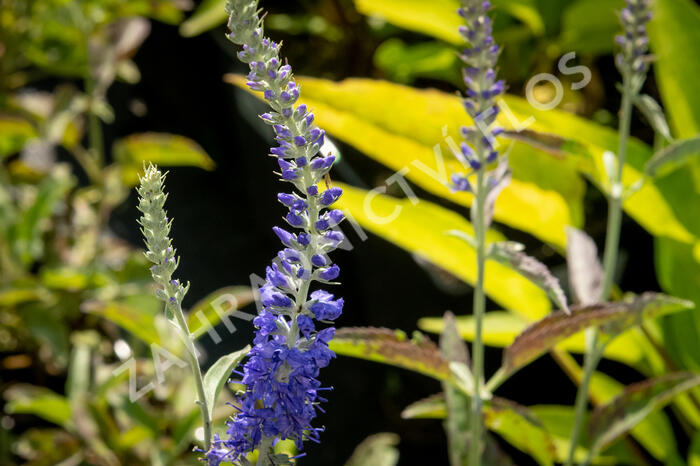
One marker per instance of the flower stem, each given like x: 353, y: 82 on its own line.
x: 594, y: 350
x: 479, y: 306
x: 197, y: 372
x: 264, y: 452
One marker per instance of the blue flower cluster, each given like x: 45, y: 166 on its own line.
x: 281, y: 397
x: 634, y: 42
x: 482, y: 89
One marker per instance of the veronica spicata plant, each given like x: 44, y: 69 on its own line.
x: 155, y: 227
x: 477, y: 153
x: 282, y: 392
x: 633, y: 63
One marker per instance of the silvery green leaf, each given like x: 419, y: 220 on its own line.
x: 458, y: 404
x: 469, y: 239
x: 585, y: 271
x: 672, y: 157
x: 497, y: 181
x: 509, y: 254
x: 610, y: 165
x: 654, y: 114
x: 219, y: 373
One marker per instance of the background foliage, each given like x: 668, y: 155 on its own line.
x: 90, y: 89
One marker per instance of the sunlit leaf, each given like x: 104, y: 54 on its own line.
x: 376, y: 450
x: 136, y: 320
x: 219, y: 373
x: 410, y: 130
x: 612, y: 317
x: 422, y: 229
x: 616, y: 418
x: 14, y: 133
x: 166, y: 150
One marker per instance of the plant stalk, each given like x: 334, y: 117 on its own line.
x: 197, y: 372
x: 479, y: 307
x: 594, y: 350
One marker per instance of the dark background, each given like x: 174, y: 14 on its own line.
x: 223, y: 222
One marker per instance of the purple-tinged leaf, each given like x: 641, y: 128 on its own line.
x: 612, y: 319
x: 509, y: 254
x: 585, y: 271
x: 616, y: 418
x: 393, y: 348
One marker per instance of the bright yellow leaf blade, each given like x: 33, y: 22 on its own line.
x: 422, y: 229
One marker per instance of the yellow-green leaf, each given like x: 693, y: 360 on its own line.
x: 167, y: 150
x: 422, y: 229
x: 401, y: 127
x: 14, y: 132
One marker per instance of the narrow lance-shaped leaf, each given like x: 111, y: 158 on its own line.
x: 219, y: 373
x: 654, y: 114
x: 672, y: 157
x: 510, y: 254
x: 376, y: 450
x: 218, y: 305
x: 392, y: 347
x: 502, y: 177
x: 585, y: 271
x: 457, y: 425
x: 616, y: 418
x: 209, y: 14
x: 612, y: 318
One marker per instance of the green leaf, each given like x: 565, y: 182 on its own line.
x: 422, y: 229
x: 203, y: 315
x: 39, y: 401
x: 208, y: 15
x: 674, y: 33
x: 392, y: 347
x: 694, y: 451
x: 404, y: 63
x: 616, y: 418
x: 219, y: 373
x: 654, y: 114
x: 438, y: 18
x: 137, y: 320
x: 404, y: 129
x: 673, y: 156
x: 521, y: 428
x: 589, y: 26
x: 163, y: 149
x: 612, y: 318
x: 376, y: 450
x: 26, y: 235
x: 14, y: 133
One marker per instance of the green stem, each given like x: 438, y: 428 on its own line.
x: 95, y: 137
x: 612, y: 242
x: 264, y: 452
x: 479, y: 307
x: 197, y: 371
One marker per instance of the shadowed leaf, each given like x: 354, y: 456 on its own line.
x: 531, y: 268
x: 654, y: 114
x: 616, y: 418
x: 672, y: 157
x: 612, y: 318
x: 392, y: 347
x: 209, y: 14
x: 219, y: 373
